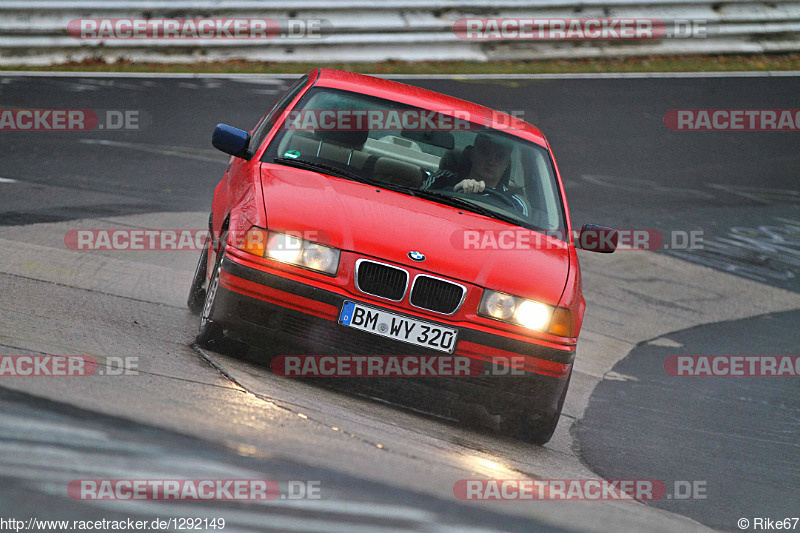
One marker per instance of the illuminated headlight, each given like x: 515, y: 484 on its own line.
x: 533, y: 315
x: 515, y: 310
x: 284, y: 248
x: 292, y: 250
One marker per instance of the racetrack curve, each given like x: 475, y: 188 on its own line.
x: 196, y: 413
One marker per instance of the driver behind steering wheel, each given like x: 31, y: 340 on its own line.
x: 489, y: 159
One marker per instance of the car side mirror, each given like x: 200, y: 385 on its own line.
x: 595, y: 238
x: 232, y: 141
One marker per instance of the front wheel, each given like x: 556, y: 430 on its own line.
x: 210, y: 332
x: 535, y: 430
x: 197, y: 294
x: 532, y: 427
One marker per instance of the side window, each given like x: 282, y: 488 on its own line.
x: 263, y: 127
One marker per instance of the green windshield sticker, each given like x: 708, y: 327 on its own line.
x: 292, y: 154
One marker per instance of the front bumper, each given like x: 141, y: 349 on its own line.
x: 261, y: 307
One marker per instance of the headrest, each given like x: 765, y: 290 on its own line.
x: 458, y: 161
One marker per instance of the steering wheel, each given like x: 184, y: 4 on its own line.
x: 500, y: 196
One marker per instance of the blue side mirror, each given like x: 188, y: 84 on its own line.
x: 597, y: 238
x: 231, y: 140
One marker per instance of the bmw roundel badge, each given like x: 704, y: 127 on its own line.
x: 416, y: 256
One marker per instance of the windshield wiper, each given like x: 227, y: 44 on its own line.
x: 330, y: 169
x: 456, y: 201
x: 311, y: 165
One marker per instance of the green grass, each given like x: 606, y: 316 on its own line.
x: 721, y: 63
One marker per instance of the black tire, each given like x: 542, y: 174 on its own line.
x: 197, y: 293
x: 533, y: 427
x: 538, y: 431
x: 210, y: 333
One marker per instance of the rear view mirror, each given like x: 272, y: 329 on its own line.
x: 231, y: 140
x: 595, y: 238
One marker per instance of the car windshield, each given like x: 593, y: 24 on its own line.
x: 437, y: 156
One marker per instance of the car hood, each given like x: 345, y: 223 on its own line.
x: 387, y: 225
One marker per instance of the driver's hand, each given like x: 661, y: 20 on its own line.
x: 470, y: 186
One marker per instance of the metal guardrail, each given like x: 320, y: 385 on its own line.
x: 35, y: 32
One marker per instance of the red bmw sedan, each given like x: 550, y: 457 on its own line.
x: 365, y: 216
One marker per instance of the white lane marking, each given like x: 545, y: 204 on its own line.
x: 37, y: 466
x: 577, y: 75
x: 665, y: 342
x: 600, y: 75
x: 274, y: 81
x: 640, y: 185
x: 257, y: 520
x: 177, y: 151
x: 46, y: 431
x: 8, y: 180
x: 38, y: 463
x: 182, y: 75
x: 760, y: 194
x: 770, y: 251
x: 616, y: 376
x: 273, y: 514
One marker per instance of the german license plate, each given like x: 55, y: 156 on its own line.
x: 398, y: 327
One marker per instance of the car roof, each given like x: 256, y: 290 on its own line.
x: 424, y: 98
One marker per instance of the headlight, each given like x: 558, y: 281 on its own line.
x: 526, y: 313
x: 499, y: 305
x: 284, y: 248
x: 292, y: 250
x: 533, y: 315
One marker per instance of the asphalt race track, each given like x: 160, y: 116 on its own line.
x: 190, y: 413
